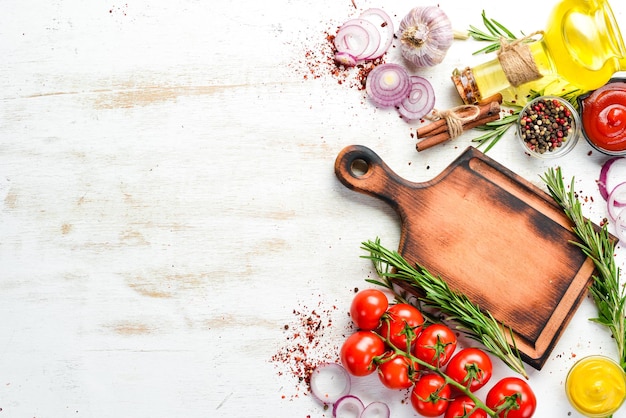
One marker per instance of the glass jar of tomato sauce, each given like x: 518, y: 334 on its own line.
x: 603, y: 115
x: 596, y: 386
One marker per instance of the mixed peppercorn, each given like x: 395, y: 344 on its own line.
x: 545, y: 125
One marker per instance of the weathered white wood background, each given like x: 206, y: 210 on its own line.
x: 167, y: 201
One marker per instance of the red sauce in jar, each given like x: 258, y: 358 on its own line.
x: 604, y: 117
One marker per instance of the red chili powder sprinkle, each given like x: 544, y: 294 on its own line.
x: 319, y: 61
x: 305, y: 347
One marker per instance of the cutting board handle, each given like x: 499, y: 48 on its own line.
x: 361, y: 169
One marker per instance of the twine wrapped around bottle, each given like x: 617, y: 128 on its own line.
x: 517, y: 60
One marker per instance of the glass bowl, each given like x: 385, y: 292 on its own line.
x: 596, y: 386
x: 548, y: 127
x: 616, y: 87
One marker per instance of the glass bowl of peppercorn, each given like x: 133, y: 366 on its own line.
x: 548, y: 127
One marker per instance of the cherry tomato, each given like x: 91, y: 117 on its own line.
x: 461, y: 406
x: 515, y: 392
x: 367, y: 307
x: 396, y: 373
x: 470, y: 367
x: 394, y: 328
x: 430, y: 395
x: 435, y: 345
x: 358, y: 352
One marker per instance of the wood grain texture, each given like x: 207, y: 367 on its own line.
x: 489, y: 234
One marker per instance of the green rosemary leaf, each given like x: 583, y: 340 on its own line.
x: 497, y: 28
x: 494, y: 131
x: 488, y: 49
x: 470, y: 319
x: 503, y: 30
x: 496, y: 33
x: 480, y: 35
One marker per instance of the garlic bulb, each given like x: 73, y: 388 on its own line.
x: 425, y: 35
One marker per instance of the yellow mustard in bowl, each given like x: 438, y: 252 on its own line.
x: 596, y: 386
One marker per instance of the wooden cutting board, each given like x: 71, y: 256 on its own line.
x: 492, y: 235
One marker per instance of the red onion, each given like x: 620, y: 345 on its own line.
x: 348, y: 406
x: 420, y: 101
x: 358, y: 37
x: 388, y: 85
x: 330, y: 382
x: 608, y: 174
x: 365, y: 38
x: 385, y: 26
x: 345, y: 58
x: 617, y: 194
x: 376, y: 410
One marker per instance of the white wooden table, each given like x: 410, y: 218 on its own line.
x: 168, y: 204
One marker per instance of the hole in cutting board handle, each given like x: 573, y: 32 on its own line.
x: 359, y: 167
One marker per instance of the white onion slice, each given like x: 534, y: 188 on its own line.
x: 359, y: 37
x: 348, y: 406
x: 388, y: 84
x: 618, y: 194
x: 376, y: 410
x: 383, y: 22
x: 620, y: 226
x: 613, y: 169
x: 330, y: 382
x: 420, y: 101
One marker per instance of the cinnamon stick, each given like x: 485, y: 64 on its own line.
x: 440, y: 125
x: 444, y: 136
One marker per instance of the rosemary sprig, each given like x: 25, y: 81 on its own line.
x: 470, y: 320
x: 596, y: 243
x: 495, y: 33
x: 495, y: 130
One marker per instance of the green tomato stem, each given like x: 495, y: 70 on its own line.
x: 479, y: 403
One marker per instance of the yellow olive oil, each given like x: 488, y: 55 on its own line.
x: 585, y: 42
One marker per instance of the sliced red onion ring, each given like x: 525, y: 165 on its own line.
x: 618, y: 194
x: 376, y: 410
x: 388, y: 85
x: 358, y: 37
x: 345, y: 58
x: 420, y: 101
x: 348, y: 406
x: 613, y: 168
x: 620, y: 226
x: 383, y: 22
x: 330, y: 382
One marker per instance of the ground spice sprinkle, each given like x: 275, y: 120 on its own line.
x: 305, y: 346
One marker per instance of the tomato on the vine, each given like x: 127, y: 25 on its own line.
x: 435, y: 345
x: 367, y: 307
x: 397, y: 372
x: 401, y: 321
x: 430, y: 395
x: 470, y: 367
x: 359, y: 351
x: 461, y: 407
x: 513, y: 397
